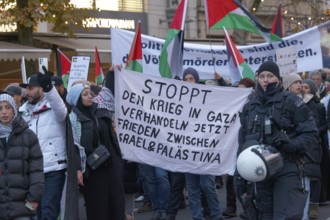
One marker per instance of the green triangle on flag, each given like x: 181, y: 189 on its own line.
x: 99, y: 77
x: 231, y: 14
x: 238, y: 67
x: 171, y: 55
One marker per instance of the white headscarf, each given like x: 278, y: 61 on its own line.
x: 5, y: 130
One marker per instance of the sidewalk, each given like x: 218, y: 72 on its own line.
x: 184, y: 214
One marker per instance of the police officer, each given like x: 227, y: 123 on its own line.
x: 281, y: 119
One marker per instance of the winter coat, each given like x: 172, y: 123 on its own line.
x: 21, y: 171
x: 83, y: 131
x: 312, y: 168
x: 290, y: 114
x: 48, y: 121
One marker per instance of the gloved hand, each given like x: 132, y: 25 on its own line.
x: 280, y: 138
x: 45, y: 80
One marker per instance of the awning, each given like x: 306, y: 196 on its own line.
x: 10, y: 51
x: 83, y: 46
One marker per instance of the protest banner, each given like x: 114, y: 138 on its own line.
x: 313, y: 52
x: 176, y: 125
x: 287, y: 60
x: 79, y: 69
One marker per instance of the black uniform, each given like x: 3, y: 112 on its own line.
x: 282, y: 195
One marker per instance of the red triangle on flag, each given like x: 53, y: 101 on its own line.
x: 98, y: 70
x: 179, y: 17
x: 277, y: 27
x: 135, y: 52
x: 64, y: 63
x: 218, y: 9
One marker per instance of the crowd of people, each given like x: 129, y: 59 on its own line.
x: 56, y: 144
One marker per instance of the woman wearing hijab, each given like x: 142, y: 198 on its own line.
x: 319, y: 184
x: 21, y: 165
x: 312, y: 171
x: 92, y: 125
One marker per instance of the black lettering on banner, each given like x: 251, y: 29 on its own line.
x: 193, y: 141
x: 152, y: 119
x: 152, y: 45
x: 146, y: 84
x: 226, y: 128
x: 137, y: 141
x: 133, y: 98
x: 139, y: 129
x: 194, y: 112
x: 209, y: 157
x: 171, y: 91
x: 132, y: 140
x: 221, y: 117
x: 287, y: 43
x: 207, y: 128
x: 171, y: 152
x: 165, y: 106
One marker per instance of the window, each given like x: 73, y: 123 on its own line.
x: 131, y: 5
x: 111, y: 5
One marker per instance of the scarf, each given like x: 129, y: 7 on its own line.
x: 42, y: 104
x: 271, y: 90
x: 5, y: 130
x: 105, y: 100
x: 89, y: 113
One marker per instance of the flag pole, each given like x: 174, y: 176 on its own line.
x: 232, y: 49
x: 209, y: 33
x: 23, y: 69
x: 213, y: 57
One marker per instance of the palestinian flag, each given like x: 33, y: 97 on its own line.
x: 134, y: 60
x: 63, y: 67
x: 277, y: 27
x: 99, y: 77
x: 171, y: 56
x: 238, y: 67
x: 231, y: 14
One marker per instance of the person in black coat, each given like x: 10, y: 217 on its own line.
x: 293, y: 133
x: 102, y: 187
x: 319, y: 185
x: 21, y: 164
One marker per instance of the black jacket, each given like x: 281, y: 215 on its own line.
x: 290, y: 114
x: 312, y: 169
x: 106, y: 131
x: 21, y: 171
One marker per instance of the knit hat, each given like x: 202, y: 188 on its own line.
x: 290, y: 79
x: 13, y: 90
x: 270, y: 66
x: 74, y: 93
x: 8, y: 98
x: 193, y: 72
x: 312, y: 86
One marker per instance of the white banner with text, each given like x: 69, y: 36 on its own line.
x: 176, y: 125
x: 312, y: 45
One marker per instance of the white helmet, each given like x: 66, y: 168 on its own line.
x: 258, y: 162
